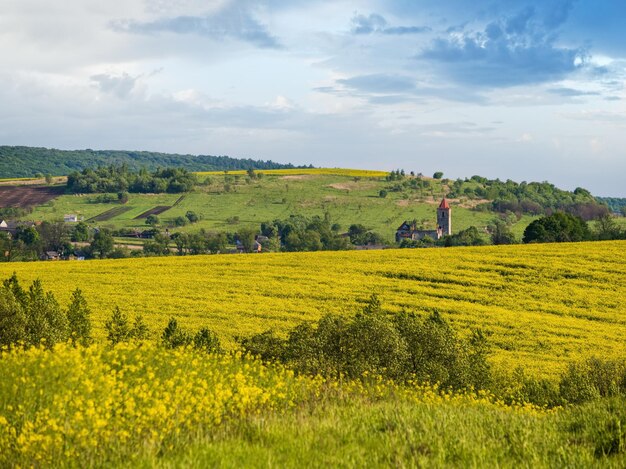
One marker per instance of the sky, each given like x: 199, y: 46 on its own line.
x: 528, y: 90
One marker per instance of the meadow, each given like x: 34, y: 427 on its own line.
x: 226, y: 202
x: 541, y: 306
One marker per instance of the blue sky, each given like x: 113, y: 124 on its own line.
x: 515, y: 89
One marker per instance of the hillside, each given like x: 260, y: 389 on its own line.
x: 16, y: 162
x: 541, y: 306
x: 228, y: 202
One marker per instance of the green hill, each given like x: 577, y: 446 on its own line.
x: 230, y: 202
x: 380, y: 201
x: 19, y: 161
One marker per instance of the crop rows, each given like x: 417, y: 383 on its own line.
x: 542, y: 306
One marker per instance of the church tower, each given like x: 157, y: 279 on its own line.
x: 444, y: 217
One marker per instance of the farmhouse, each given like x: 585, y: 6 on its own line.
x: 408, y: 230
x: 12, y: 227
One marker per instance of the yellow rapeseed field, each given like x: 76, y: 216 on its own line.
x: 80, y: 407
x: 366, y: 173
x: 542, y: 306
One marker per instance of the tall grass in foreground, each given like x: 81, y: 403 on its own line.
x: 138, y: 404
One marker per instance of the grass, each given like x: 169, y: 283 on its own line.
x: 542, y: 306
x: 399, y: 433
x: 348, y: 199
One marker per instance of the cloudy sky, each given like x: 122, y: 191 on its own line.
x: 515, y: 89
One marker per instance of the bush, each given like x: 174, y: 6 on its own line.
x: 119, y: 329
x: 400, y: 347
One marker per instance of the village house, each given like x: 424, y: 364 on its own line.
x: 11, y: 227
x: 408, y: 230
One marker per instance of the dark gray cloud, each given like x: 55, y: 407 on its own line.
x: 118, y: 85
x: 231, y: 23
x: 388, y: 89
x: 375, y: 23
x: 516, y: 49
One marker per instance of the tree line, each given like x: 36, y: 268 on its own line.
x: 121, y: 179
x: 20, y: 161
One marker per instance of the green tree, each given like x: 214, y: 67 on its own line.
x: 80, y: 232
x: 558, y: 227
x: 207, y: 341
x: 102, y: 244
x: 500, y: 233
x: 192, y: 216
x: 118, y: 328
x: 140, y: 330
x: 438, y: 175
x: 79, y: 320
x: 607, y: 228
x: 247, y: 238
x: 45, y: 322
x: 173, y: 336
x: 12, y: 318
x: 152, y: 220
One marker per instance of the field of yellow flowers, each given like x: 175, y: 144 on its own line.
x: 542, y: 306
x: 366, y: 173
x: 139, y: 405
x: 104, y: 404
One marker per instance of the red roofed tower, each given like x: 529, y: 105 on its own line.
x: 444, y: 217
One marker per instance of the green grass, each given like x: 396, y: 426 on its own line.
x: 397, y: 433
x: 348, y: 200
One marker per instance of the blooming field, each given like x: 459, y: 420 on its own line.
x: 542, y: 306
x: 106, y: 404
x: 306, y: 171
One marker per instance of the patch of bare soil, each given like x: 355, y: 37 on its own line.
x: 28, y: 196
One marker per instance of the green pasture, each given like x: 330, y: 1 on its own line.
x: 228, y: 202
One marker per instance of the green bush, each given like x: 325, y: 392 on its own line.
x: 400, y: 347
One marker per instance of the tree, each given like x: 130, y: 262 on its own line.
x: 173, y: 336
x: 79, y: 320
x: 192, y: 216
x: 122, y: 197
x: 48, y: 178
x: 207, y: 341
x: 102, y: 244
x: 382, y: 193
x: 80, y: 232
x: 118, y: 329
x: 468, y: 237
x: 45, y: 322
x: 556, y: 228
x: 607, y: 228
x: 247, y: 238
x: 12, y: 318
x: 500, y: 233
x: 438, y: 175
x: 152, y: 220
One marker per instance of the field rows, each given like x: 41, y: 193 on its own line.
x: 542, y: 305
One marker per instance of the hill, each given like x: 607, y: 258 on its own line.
x: 21, y: 161
x: 541, y: 306
x: 376, y: 199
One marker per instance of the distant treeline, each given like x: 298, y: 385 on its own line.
x: 121, y: 179
x: 31, y: 161
x: 615, y: 204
